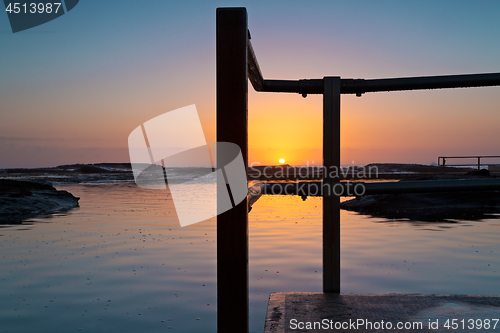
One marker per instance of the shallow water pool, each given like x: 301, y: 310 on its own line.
x: 121, y: 262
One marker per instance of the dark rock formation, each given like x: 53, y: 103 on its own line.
x: 20, y: 200
x: 482, y: 172
x: 431, y: 207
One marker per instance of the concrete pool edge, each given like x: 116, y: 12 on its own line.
x: 286, y: 310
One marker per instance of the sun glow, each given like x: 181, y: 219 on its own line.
x: 282, y: 160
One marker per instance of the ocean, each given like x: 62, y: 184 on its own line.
x: 121, y: 262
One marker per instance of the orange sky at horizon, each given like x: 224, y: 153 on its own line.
x: 418, y: 125
x: 75, y: 95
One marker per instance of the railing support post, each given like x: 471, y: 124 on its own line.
x: 232, y: 226
x: 331, y: 202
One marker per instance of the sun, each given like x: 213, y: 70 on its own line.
x: 282, y: 160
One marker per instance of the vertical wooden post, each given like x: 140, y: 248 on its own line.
x: 331, y: 202
x: 232, y: 226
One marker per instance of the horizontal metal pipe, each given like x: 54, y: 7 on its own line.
x: 314, y: 86
x: 355, y: 188
x: 447, y: 157
x: 360, y: 86
x: 426, y: 82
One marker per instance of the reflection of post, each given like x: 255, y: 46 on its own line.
x: 331, y: 203
x: 232, y: 226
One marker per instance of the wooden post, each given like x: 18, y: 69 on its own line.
x: 232, y: 226
x: 331, y: 202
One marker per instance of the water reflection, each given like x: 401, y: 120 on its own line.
x: 122, y: 263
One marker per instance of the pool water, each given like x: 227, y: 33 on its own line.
x: 122, y: 263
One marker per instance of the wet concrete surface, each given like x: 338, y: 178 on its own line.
x: 319, y: 312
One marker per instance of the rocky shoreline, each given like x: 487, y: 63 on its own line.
x: 20, y: 200
x: 431, y: 207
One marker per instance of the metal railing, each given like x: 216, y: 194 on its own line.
x: 236, y: 65
x: 478, y: 164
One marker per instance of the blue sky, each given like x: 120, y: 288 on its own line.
x: 72, y: 90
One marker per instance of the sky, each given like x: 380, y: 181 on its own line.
x: 73, y: 89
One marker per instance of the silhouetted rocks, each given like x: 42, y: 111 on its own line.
x: 444, y: 206
x: 20, y: 200
x: 482, y: 173
x: 74, y: 173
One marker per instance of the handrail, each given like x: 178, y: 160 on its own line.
x: 361, y: 86
x: 444, y: 158
x: 236, y: 65
x: 254, y: 73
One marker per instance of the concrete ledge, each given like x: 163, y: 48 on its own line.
x: 375, y: 308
